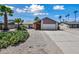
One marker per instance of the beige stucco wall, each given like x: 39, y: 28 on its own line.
x: 49, y: 26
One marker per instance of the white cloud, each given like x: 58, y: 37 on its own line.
x: 10, y: 7
x: 57, y: 15
x: 26, y: 8
x: 31, y: 9
x: 58, y: 7
x: 36, y: 8
x: 37, y: 14
x: 20, y: 10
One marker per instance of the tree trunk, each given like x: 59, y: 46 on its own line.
x: 68, y: 18
x: 5, y: 21
x: 75, y: 17
x: 18, y: 25
x: 60, y: 20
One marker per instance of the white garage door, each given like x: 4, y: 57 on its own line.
x: 48, y: 26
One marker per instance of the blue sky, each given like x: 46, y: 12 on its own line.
x: 29, y: 11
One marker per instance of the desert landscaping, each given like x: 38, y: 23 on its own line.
x: 41, y: 35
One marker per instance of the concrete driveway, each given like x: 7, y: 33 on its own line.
x: 67, y: 41
x: 38, y: 43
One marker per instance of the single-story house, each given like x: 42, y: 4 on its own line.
x: 72, y: 24
x: 68, y: 25
x: 37, y: 25
x: 10, y: 25
x: 46, y: 24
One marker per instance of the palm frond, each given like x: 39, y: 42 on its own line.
x: 1, y: 14
x: 75, y: 11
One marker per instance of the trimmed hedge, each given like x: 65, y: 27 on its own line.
x: 12, y: 38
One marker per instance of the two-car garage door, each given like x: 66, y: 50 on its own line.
x: 48, y: 26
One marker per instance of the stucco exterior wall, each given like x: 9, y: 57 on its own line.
x: 49, y: 26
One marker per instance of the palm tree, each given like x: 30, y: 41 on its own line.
x: 22, y: 22
x: 63, y: 20
x: 60, y: 18
x: 75, y: 12
x: 18, y: 21
x: 36, y: 19
x: 5, y: 11
x: 67, y: 16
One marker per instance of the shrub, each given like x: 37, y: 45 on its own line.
x: 12, y: 38
x: 3, y: 44
x: 22, y: 27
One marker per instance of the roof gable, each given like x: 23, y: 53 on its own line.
x: 47, y: 20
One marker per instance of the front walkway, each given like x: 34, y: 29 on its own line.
x: 38, y: 43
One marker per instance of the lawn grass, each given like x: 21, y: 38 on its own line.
x: 12, y: 38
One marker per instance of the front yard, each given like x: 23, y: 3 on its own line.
x: 12, y: 38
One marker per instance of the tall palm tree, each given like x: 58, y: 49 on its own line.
x: 5, y: 11
x: 67, y: 16
x: 36, y: 19
x: 63, y: 20
x: 22, y: 21
x: 60, y: 18
x: 18, y: 21
x: 75, y: 12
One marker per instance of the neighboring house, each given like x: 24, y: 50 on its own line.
x: 72, y: 24
x: 11, y: 25
x: 46, y: 24
x: 29, y: 25
x: 37, y: 25
x: 68, y: 25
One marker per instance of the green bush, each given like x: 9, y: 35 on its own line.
x: 12, y: 38
x: 22, y: 27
